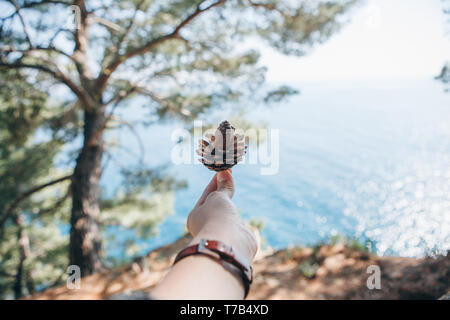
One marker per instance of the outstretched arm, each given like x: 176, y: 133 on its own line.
x: 214, y: 217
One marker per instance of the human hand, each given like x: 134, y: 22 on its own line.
x: 216, y: 217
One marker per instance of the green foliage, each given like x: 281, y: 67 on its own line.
x: 25, y: 162
x: 361, y: 244
x: 279, y: 94
x: 143, y: 200
x: 293, y: 28
x: 444, y: 75
x: 21, y: 111
x: 308, y: 267
x: 257, y: 223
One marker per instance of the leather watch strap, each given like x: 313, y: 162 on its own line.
x: 220, y: 252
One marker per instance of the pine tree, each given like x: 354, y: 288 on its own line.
x: 184, y: 57
x: 32, y: 247
x: 444, y: 75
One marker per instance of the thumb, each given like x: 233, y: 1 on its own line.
x: 225, y: 182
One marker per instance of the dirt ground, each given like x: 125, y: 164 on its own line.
x: 324, y: 272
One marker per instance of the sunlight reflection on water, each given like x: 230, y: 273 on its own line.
x: 375, y: 167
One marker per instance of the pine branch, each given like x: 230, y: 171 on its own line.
x: 106, y: 73
x: 51, y: 48
x: 143, y: 90
x: 22, y: 21
x: 57, y: 204
x: 33, y: 4
x: 108, y: 24
x: 137, y: 137
x: 130, y: 25
x: 267, y: 6
x: 58, y: 75
x: 82, y: 42
x: 122, y: 95
x: 10, y: 209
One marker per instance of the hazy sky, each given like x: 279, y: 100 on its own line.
x: 385, y: 39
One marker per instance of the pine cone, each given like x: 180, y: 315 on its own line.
x: 224, y: 149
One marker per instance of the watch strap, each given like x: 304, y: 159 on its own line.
x: 220, y: 252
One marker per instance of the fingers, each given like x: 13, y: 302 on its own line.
x: 225, y: 185
x: 225, y: 182
x: 211, y: 187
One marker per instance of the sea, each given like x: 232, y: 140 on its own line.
x: 362, y: 159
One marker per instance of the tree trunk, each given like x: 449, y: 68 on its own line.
x: 24, y: 252
x: 85, y: 234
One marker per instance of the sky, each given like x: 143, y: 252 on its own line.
x: 385, y: 39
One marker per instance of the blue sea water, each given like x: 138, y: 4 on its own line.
x: 369, y: 159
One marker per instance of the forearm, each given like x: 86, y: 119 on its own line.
x: 200, y: 277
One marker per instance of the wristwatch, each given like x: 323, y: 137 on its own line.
x: 224, y: 255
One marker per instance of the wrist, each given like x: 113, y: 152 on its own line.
x: 232, y: 233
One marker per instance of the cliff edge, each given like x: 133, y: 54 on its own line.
x: 323, y: 272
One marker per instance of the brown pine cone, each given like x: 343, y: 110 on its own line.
x: 224, y: 149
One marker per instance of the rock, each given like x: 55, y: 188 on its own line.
x: 334, y: 262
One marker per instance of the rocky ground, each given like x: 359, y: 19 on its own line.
x: 323, y: 272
